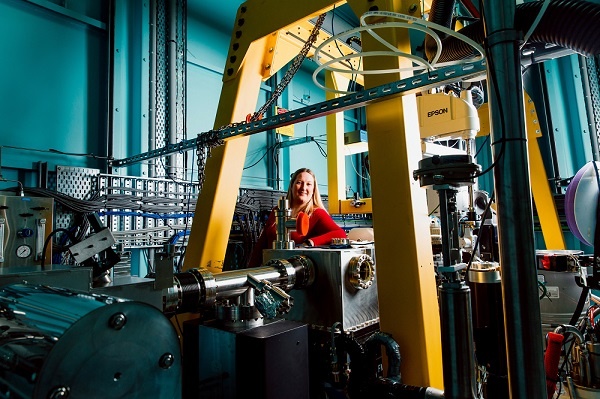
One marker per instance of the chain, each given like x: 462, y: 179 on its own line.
x: 209, y: 140
x: 204, y: 145
x: 292, y: 70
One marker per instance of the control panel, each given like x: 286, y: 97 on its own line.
x: 25, y: 222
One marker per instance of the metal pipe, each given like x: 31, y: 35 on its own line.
x: 513, y: 192
x: 172, y: 84
x: 445, y: 216
x: 235, y: 282
x: 198, y: 288
x: 152, y: 88
x: 152, y: 109
x: 111, y: 84
x: 568, y: 329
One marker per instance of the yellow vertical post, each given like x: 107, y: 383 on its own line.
x: 406, y: 280
x: 336, y: 176
x: 216, y: 203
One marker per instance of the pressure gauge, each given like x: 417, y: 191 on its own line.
x: 23, y: 251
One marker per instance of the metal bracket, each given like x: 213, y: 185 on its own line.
x: 92, y: 245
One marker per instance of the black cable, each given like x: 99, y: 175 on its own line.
x: 323, y: 152
x: 579, y: 308
x: 567, y: 352
x: 483, y: 216
x: 59, y: 230
x: 271, y: 148
x: 487, y: 138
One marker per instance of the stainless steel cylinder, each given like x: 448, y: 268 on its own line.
x: 198, y: 288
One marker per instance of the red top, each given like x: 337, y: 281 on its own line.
x: 322, y: 228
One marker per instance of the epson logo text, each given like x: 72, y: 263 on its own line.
x: 437, y: 112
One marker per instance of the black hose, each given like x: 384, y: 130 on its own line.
x: 49, y: 238
x: 440, y: 13
x: 392, y: 349
x: 580, y: 304
x: 572, y: 24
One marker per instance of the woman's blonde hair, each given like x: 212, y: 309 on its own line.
x: 310, y: 206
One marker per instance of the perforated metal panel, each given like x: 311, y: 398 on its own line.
x: 165, y: 127
x: 161, y: 73
x: 77, y: 183
x: 592, y: 67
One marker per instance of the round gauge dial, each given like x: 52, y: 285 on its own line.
x: 23, y: 251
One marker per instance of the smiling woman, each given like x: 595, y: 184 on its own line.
x: 303, y: 195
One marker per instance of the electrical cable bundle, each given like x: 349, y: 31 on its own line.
x: 251, y: 211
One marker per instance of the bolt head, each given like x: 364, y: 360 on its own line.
x: 117, y: 321
x: 166, y: 361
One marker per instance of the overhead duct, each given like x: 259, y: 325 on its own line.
x: 440, y: 13
x: 566, y: 23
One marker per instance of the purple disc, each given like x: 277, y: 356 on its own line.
x: 581, y: 202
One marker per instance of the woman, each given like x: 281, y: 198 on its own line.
x: 303, y: 195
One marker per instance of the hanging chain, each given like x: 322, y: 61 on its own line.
x: 209, y: 140
x: 206, y: 142
x: 292, y: 70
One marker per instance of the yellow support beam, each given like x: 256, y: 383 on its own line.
x: 216, y: 202
x: 406, y: 279
x: 540, y: 187
x: 275, y: 20
x: 249, y: 62
x: 291, y: 39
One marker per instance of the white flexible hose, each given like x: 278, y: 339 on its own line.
x: 419, y: 63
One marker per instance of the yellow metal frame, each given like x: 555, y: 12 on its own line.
x: 406, y: 277
x: 540, y: 187
x: 407, y: 290
x: 250, y: 60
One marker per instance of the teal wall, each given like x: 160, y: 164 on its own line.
x: 567, y: 113
x: 52, y: 84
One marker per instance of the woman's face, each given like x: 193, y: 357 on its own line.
x: 304, y: 186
